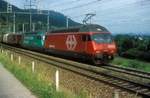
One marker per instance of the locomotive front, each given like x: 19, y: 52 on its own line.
x: 104, y: 47
x: 100, y: 44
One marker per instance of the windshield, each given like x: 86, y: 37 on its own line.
x: 102, y: 38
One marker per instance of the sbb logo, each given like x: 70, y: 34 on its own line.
x: 71, y: 42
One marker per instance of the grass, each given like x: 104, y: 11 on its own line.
x: 39, y: 87
x: 132, y: 63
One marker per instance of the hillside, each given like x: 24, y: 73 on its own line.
x: 56, y: 19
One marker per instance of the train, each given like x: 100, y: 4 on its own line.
x: 90, y: 42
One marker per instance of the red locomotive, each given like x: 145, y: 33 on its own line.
x: 92, y: 42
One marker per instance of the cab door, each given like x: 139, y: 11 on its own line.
x: 85, y: 39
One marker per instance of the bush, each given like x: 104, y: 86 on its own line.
x: 131, y: 53
x: 145, y: 56
x: 135, y: 54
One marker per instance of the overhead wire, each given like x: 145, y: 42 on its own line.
x: 65, y: 3
x: 57, y: 5
x: 97, y: 7
x: 81, y: 5
x: 112, y: 12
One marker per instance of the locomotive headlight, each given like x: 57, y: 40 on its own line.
x: 43, y: 37
x: 111, y: 46
x: 109, y: 57
x: 112, y: 51
x: 98, y: 51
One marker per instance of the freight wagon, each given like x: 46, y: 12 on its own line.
x: 12, y: 38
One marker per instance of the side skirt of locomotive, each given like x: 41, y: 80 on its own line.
x: 96, y: 60
x: 38, y: 49
x: 65, y: 53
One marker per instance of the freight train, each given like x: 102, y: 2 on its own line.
x: 89, y: 42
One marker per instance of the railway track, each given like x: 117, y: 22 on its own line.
x: 129, y: 71
x: 92, y: 72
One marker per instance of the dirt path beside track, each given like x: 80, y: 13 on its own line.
x: 10, y: 87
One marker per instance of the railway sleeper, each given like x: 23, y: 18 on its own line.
x: 121, y: 82
x: 130, y: 86
x: 124, y: 84
x: 110, y: 79
x: 136, y: 88
x: 147, y: 93
x: 115, y: 81
x: 143, y: 90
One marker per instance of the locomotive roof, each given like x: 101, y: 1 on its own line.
x: 82, y: 28
x: 40, y: 32
x: 12, y: 34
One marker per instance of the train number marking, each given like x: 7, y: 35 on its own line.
x: 71, y: 42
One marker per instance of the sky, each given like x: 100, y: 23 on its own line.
x: 118, y: 16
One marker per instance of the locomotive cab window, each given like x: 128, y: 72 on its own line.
x: 39, y: 37
x: 83, y: 37
x: 102, y: 38
x: 86, y: 38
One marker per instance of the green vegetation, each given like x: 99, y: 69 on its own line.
x: 140, y: 65
x: 134, y: 46
x: 40, y: 87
